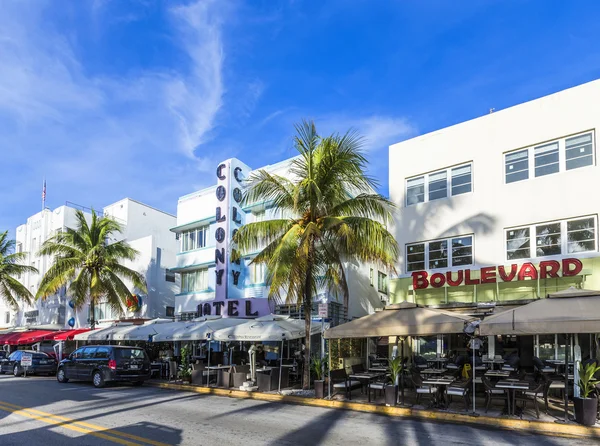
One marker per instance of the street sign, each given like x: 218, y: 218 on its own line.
x: 323, y: 310
x: 26, y: 360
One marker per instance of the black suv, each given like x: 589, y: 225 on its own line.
x: 40, y: 363
x: 102, y: 364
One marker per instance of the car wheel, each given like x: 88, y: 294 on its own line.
x: 137, y: 383
x: 97, y: 379
x: 61, y: 377
x: 17, y: 371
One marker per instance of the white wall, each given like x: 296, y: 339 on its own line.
x: 493, y: 205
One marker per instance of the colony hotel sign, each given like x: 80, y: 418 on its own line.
x: 491, y: 274
x: 229, y: 296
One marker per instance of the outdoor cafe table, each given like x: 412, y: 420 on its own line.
x: 433, y: 371
x: 437, y: 361
x: 366, y: 377
x: 220, y: 369
x: 513, y: 386
x: 497, y: 374
x: 494, y: 361
x: 440, y: 384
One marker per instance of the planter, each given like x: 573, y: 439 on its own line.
x: 391, y: 395
x: 319, y: 388
x: 586, y: 410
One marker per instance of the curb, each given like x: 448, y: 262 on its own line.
x: 538, y: 427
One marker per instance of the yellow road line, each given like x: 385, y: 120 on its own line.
x: 78, y: 426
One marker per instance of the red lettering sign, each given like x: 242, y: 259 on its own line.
x: 549, y: 268
x: 420, y: 281
x: 528, y: 270
x: 468, y: 280
x: 566, y: 267
x: 507, y: 277
x: 459, y: 278
x: 437, y: 280
x: 488, y: 274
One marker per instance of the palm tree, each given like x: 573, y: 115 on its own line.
x: 11, y: 290
x: 334, y: 217
x: 90, y: 266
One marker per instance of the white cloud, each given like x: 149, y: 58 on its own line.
x: 98, y: 138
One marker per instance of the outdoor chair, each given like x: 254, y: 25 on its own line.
x: 339, y: 380
x: 532, y: 395
x: 420, y: 388
x: 539, y: 365
x: 200, y: 375
x: 420, y: 362
x: 491, y: 393
x: 173, y: 372
x: 269, y: 380
x: 358, y: 368
x: 378, y: 385
x: 462, y: 389
x: 240, y: 375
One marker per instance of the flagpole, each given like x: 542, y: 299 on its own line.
x: 44, y: 195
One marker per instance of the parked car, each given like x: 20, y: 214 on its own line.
x: 102, y: 364
x: 40, y: 363
x: 3, y: 354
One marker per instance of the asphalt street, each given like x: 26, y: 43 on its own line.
x: 40, y: 411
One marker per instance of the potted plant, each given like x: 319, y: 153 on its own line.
x: 185, y: 369
x: 586, y: 405
x: 391, y: 390
x: 318, y: 365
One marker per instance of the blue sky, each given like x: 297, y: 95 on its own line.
x: 140, y: 98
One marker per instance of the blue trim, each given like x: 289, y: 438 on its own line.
x: 194, y: 250
x: 255, y: 285
x: 194, y: 224
x: 191, y: 267
x: 268, y: 204
x: 187, y: 293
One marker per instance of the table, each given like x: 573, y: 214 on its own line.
x: 439, y: 384
x: 433, y: 371
x: 438, y: 361
x: 378, y: 369
x: 512, y: 386
x: 368, y: 377
x: 497, y: 373
x: 494, y: 361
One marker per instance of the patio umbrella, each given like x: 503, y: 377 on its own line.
x: 142, y: 332
x: 404, y: 319
x: 570, y: 311
x: 103, y: 334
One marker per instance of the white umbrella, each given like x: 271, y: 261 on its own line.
x: 267, y: 328
x: 103, y: 334
x: 142, y: 332
x: 203, y: 328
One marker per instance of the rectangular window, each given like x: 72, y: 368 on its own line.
x: 445, y: 253
x: 553, y: 238
x: 518, y: 244
x: 194, y: 281
x: 579, y: 151
x: 439, y: 184
x: 552, y: 157
x: 461, y: 180
x: 517, y: 166
x: 371, y: 276
x: 193, y: 239
x: 382, y: 284
x: 546, y: 159
x: 170, y: 312
x: 257, y: 273
x: 169, y: 276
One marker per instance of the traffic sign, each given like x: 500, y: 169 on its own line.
x: 26, y: 360
x: 323, y: 310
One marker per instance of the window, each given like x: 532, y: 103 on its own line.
x: 102, y: 353
x: 548, y: 158
x: 445, y: 253
x: 88, y: 353
x: 170, y: 312
x: 257, y: 273
x: 371, y: 276
x: 553, y: 238
x: 193, y: 239
x: 194, y: 281
x: 440, y: 184
x: 103, y: 311
x: 382, y: 285
x: 7, y: 317
x: 19, y: 247
x: 169, y: 276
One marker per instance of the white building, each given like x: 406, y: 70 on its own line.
x: 212, y: 282
x: 500, y: 209
x: 146, y: 229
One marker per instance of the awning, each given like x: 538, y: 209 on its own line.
x: 25, y: 337
x: 142, y: 332
x: 67, y: 335
x: 267, y: 328
x: 203, y: 328
x: 103, y: 334
x: 570, y: 311
x: 405, y: 319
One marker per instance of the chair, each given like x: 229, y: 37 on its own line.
x: 358, y: 368
x: 200, y: 374
x: 240, y: 375
x: 173, y: 372
x: 378, y: 385
x: 420, y: 388
x: 269, y: 381
x: 491, y: 393
x: 339, y: 380
x: 462, y: 389
x: 539, y: 365
x: 532, y: 395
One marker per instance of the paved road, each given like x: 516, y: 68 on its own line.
x: 40, y: 411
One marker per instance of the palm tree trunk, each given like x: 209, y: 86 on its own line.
x: 308, y: 315
x: 92, y: 313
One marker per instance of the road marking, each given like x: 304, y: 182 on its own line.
x: 79, y: 426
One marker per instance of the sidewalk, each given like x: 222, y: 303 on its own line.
x: 570, y: 430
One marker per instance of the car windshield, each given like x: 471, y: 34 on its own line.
x: 40, y: 356
x: 130, y: 353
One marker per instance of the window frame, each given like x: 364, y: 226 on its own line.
x: 449, y: 248
x: 184, y: 236
x: 564, y: 237
x: 426, y: 182
x: 184, y: 287
x: 562, y: 155
x: 382, y: 282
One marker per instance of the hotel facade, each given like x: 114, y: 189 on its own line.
x: 215, y: 280
x: 500, y: 210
